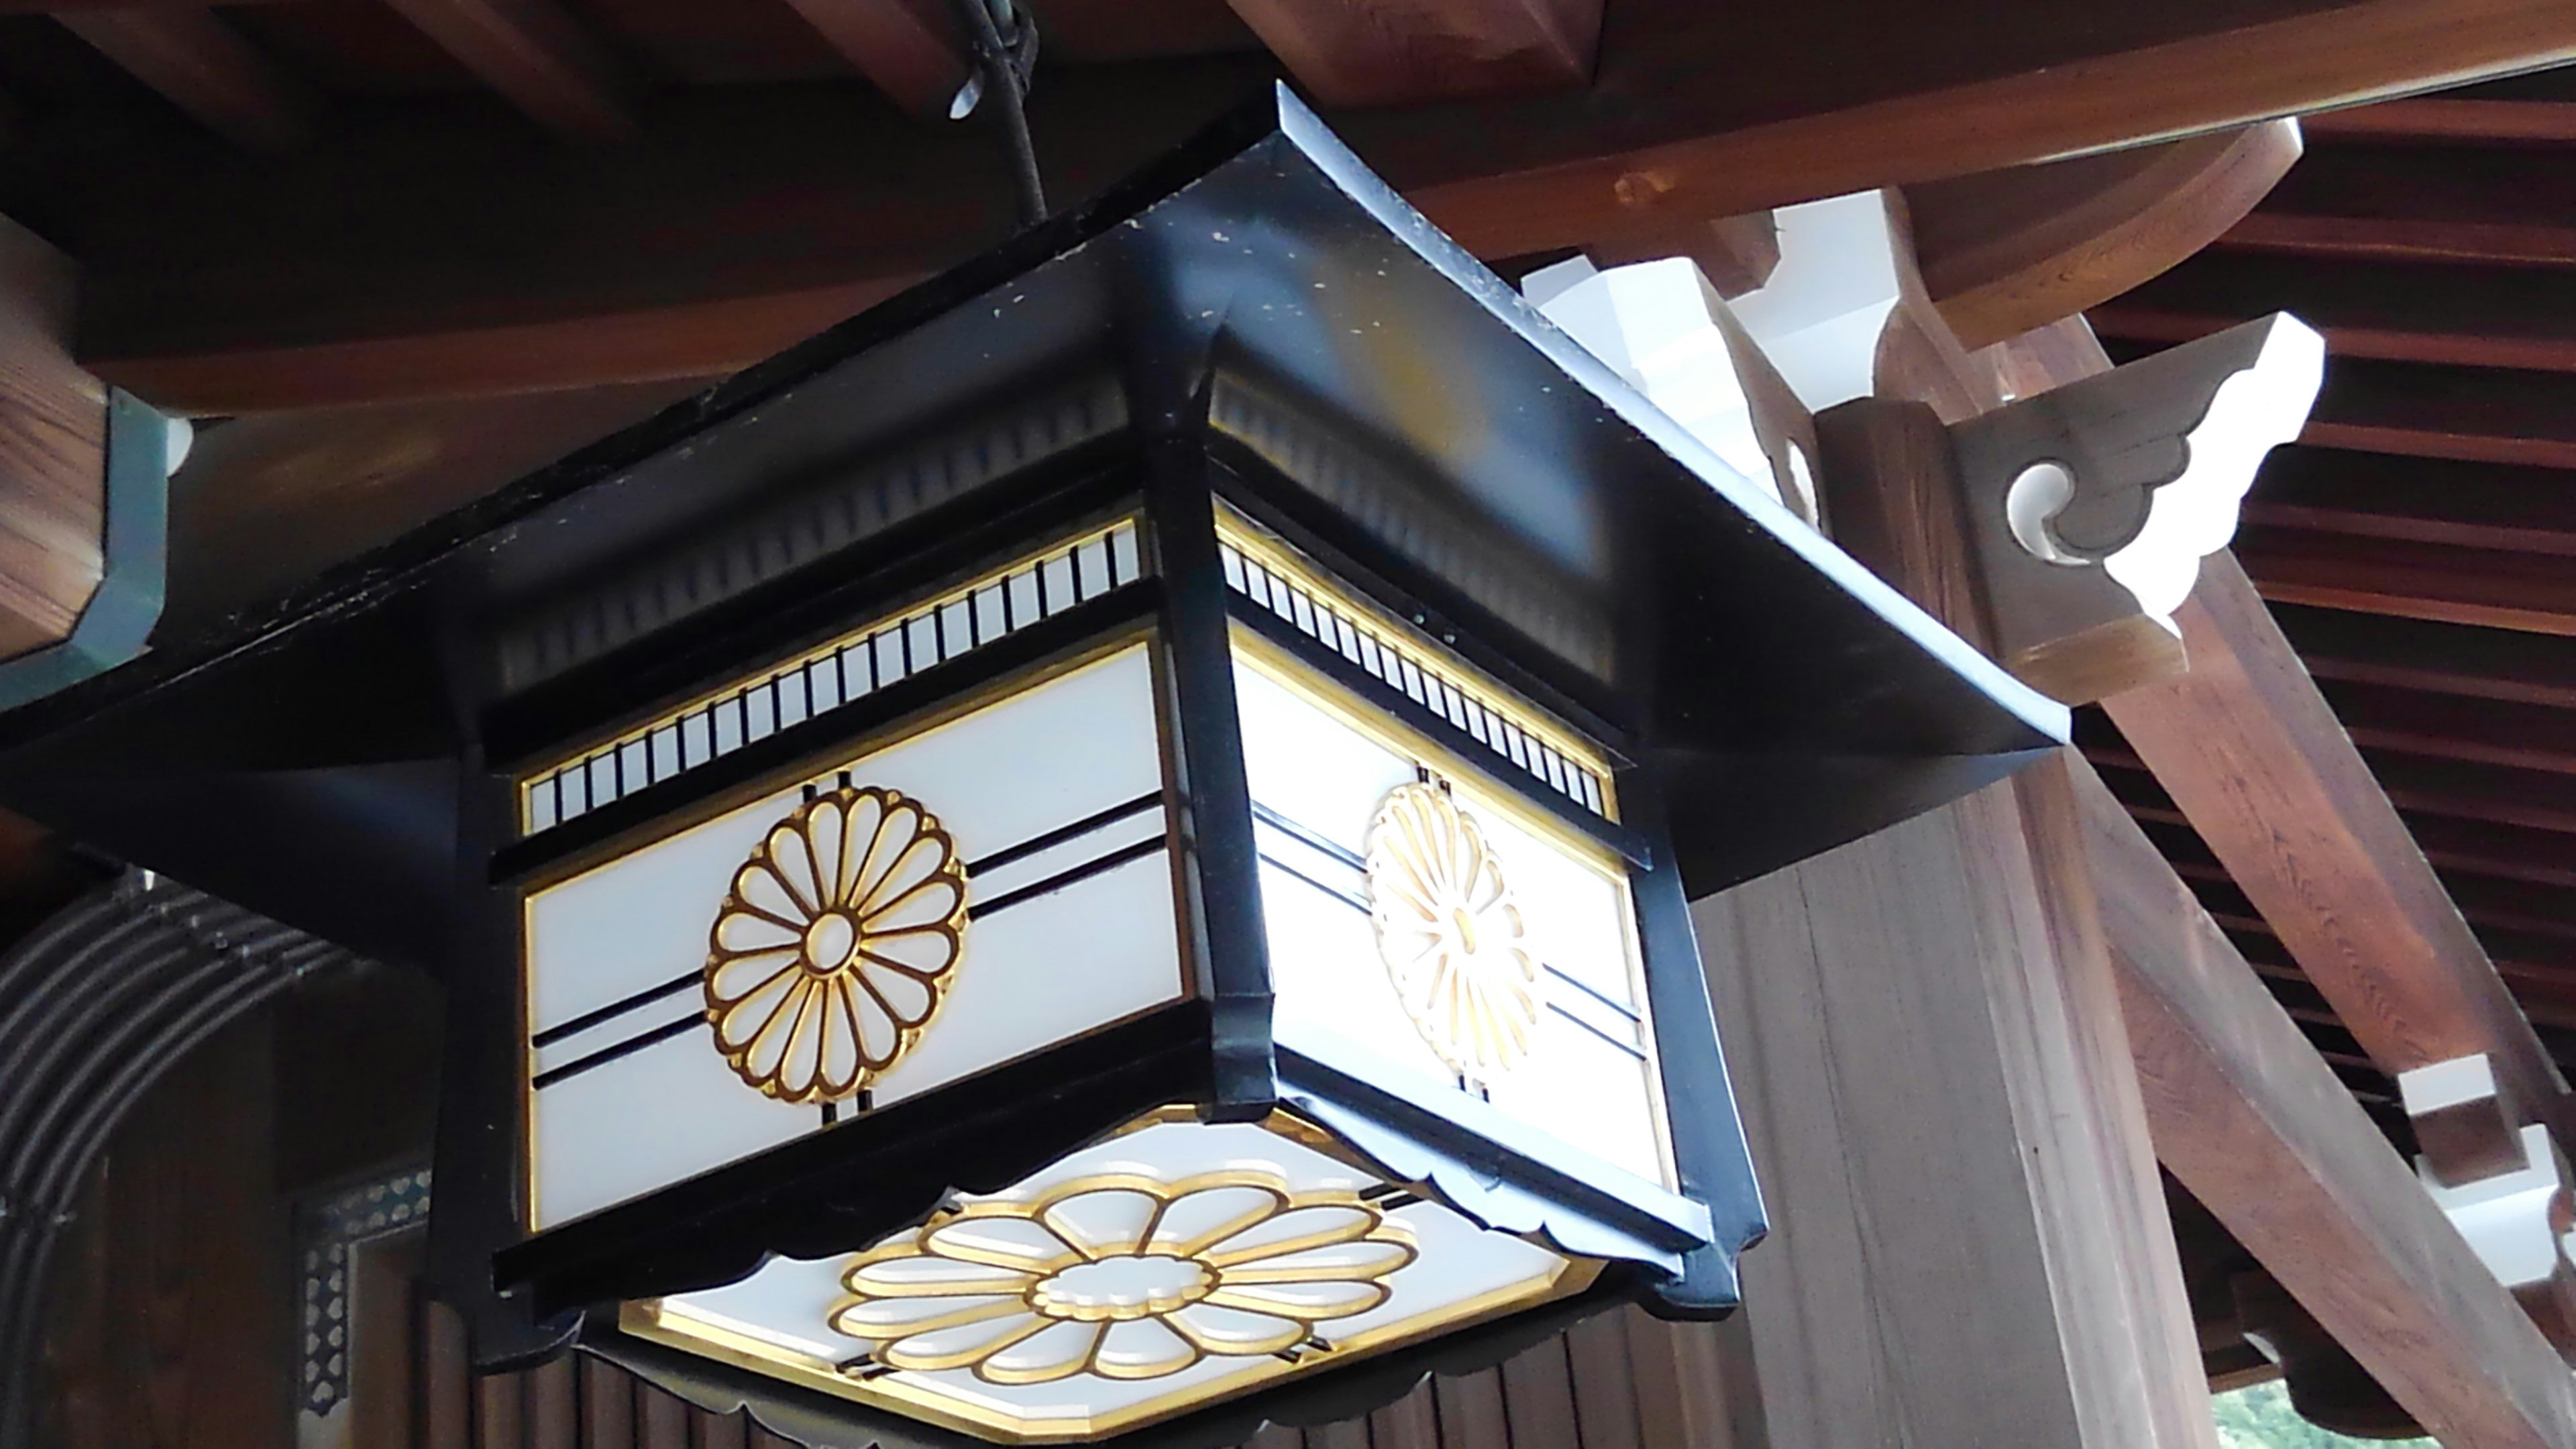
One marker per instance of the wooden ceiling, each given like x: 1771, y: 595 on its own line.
x: 2419, y: 545
x: 289, y: 203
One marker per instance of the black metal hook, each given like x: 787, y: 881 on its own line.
x: 1004, y: 39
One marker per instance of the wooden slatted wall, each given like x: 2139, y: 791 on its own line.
x: 1621, y: 1381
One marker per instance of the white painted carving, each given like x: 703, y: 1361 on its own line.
x: 2508, y: 1216
x: 2194, y: 516
x: 1655, y: 324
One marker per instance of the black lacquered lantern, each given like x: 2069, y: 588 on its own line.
x: 1100, y: 851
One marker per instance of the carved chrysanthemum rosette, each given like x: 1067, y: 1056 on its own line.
x: 1453, y: 941
x: 836, y: 944
x: 1122, y: 1276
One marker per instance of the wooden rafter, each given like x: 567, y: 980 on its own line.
x: 2254, y: 755
x: 2489, y: 415
x: 2372, y: 495
x: 2446, y: 117
x: 1688, y: 117
x: 532, y: 53
x: 2435, y: 658
x: 1373, y: 52
x: 2470, y: 315
x: 203, y: 68
x: 2249, y: 1117
x: 2412, y: 580
x: 908, y: 48
x: 2454, y: 201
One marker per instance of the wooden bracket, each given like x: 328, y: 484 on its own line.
x: 2090, y: 506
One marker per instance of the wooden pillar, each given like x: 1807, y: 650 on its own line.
x: 1971, y: 1244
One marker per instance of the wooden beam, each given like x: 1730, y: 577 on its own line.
x: 203, y: 67
x: 1379, y: 52
x: 2251, y: 751
x: 1694, y: 112
x: 2471, y: 316
x: 2410, y: 580
x: 532, y: 53
x: 2018, y: 90
x: 53, y: 451
x: 2259, y: 1129
x: 908, y: 48
x: 2007, y: 251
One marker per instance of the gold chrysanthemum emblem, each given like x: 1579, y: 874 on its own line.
x: 834, y: 948
x: 1453, y: 942
x: 1122, y: 1276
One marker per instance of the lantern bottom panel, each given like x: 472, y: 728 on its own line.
x: 1172, y: 1266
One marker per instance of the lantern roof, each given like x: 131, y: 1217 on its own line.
x: 1259, y: 285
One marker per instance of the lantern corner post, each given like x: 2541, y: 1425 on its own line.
x: 1218, y: 865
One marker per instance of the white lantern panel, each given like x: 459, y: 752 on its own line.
x: 1172, y: 1266
x: 1575, y: 1053
x: 1055, y: 937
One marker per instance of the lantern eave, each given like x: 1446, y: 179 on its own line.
x: 1261, y: 256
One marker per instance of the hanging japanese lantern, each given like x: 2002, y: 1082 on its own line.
x: 1099, y: 852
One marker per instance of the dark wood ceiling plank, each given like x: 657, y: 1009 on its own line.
x: 2489, y: 415
x: 2249, y: 748
x: 204, y: 68
x: 2004, y: 252
x: 2481, y: 731
x: 908, y: 48
x: 2470, y: 316
x: 2466, y: 848
x: 2412, y: 580
x: 2263, y: 1131
x: 2461, y: 203
x: 2420, y: 786
x: 1381, y: 52
x: 2370, y: 495
x: 535, y: 55
x: 2440, y: 658
x: 1694, y: 111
